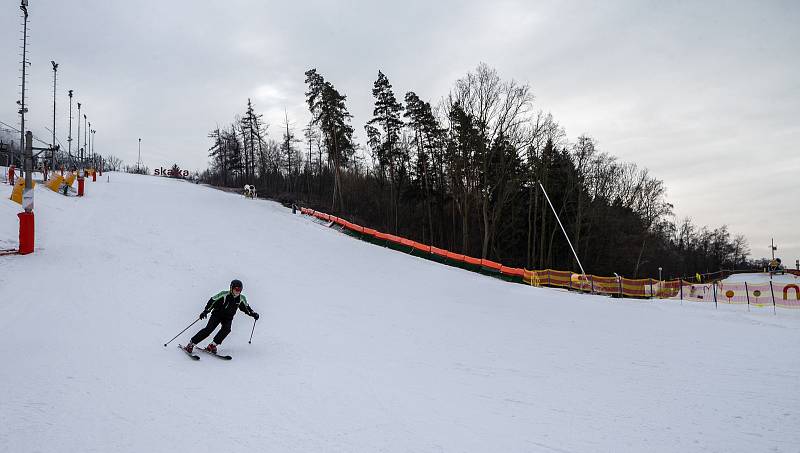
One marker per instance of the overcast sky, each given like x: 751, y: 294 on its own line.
x: 704, y: 94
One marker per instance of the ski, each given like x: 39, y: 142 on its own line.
x: 192, y: 356
x: 223, y: 357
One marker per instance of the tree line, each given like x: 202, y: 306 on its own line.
x: 466, y: 175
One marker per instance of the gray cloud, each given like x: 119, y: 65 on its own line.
x: 704, y: 94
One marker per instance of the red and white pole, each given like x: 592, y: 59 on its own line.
x: 26, y: 232
x: 26, y: 219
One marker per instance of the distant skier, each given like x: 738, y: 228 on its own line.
x: 222, y: 307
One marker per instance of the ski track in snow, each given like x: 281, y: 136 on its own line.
x: 359, y: 348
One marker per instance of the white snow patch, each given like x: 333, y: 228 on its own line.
x: 359, y: 348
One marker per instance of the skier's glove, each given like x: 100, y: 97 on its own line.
x: 203, y: 314
x: 255, y: 316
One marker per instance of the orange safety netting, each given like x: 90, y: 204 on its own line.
x: 758, y: 294
x: 637, y: 287
x: 471, y: 260
x: 786, y: 295
x: 697, y: 292
x: 605, y: 285
x: 512, y: 271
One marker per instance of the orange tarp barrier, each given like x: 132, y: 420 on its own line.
x: 438, y: 251
x: 513, y: 271
x: 471, y: 260
x: 421, y: 247
x: 455, y: 256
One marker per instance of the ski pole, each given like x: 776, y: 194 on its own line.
x: 182, y: 331
x: 251, y: 333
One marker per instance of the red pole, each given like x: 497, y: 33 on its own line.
x: 26, y: 230
x: 94, y: 176
x: 11, y: 175
x: 80, y: 186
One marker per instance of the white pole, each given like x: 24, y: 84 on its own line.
x: 562, y: 229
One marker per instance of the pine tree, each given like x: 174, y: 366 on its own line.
x: 329, y: 112
x: 390, y: 155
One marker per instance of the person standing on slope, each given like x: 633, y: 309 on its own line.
x: 222, y: 307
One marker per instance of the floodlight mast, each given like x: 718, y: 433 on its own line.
x: 53, y: 144
x: 22, y: 110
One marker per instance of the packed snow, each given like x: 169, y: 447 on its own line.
x: 359, y: 348
x: 763, y: 277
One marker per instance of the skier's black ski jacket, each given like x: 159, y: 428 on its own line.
x: 224, y: 305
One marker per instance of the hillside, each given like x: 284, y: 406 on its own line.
x: 359, y: 348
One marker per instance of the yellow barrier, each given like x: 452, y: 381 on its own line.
x: 55, y: 182
x: 19, y: 187
x: 71, y: 177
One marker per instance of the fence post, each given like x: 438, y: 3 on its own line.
x: 651, y: 288
x: 680, y: 286
x: 619, y: 281
x: 714, y: 286
x: 773, y: 298
x: 747, y: 292
x: 591, y: 281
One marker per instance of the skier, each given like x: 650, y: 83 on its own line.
x: 222, y: 307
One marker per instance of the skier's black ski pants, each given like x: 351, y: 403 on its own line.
x: 213, y: 322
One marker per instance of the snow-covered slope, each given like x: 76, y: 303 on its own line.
x: 359, y: 348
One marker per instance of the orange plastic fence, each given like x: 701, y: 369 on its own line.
x: 471, y: 260
x: 438, y: 251
x: 756, y: 294
x: 605, y: 285
x: 455, y: 256
x: 637, y: 287
x: 512, y: 271
x: 558, y: 278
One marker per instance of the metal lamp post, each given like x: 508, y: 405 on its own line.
x: 22, y: 110
x: 85, y: 141
x: 53, y: 144
x: 94, y: 155
x: 80, y: 152
x: 69, y: 138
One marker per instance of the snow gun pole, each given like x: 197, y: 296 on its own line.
x: 251, y: 332
x: 562, y: 229
x: 182, y: 331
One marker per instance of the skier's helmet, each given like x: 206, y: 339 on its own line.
x: 236, y: 284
